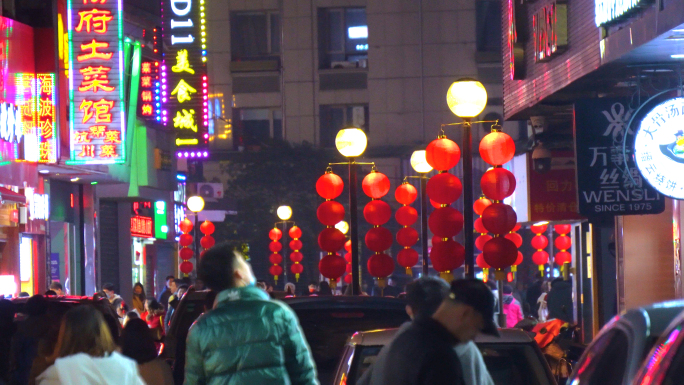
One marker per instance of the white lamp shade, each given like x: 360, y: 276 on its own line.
x: 195, y: 204
x: 343, y: 226
x: 284, y: 212
x: 419, y: 163
x: 467, y: 98
x: 351, y: 142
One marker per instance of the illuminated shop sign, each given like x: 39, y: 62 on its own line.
x: 550, y: 28
x: 10, y: 123
x: 161, y: 229
x: 96, y: 92
x: 659, y: 148
x: 142, y: 222
x: 36, y: 121
x: 38, y: 205
x: 149, y: 77
x: 184, y: 77
x: 46, y: 118
x: 609, y: 11
x: 516, y: 49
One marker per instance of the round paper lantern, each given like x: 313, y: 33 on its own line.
x: 407, y: 236
x: 538, y: 229
x: 444, y: 188
x: 446, y: 222
x: 515, y: 238
x: 186, y: 226
x: 481, y: 262
x: 348, y: 279
x: 275, y: 258
x: 377, y: 212
x: 407, y: 258
x: 442, y: 154
x: 499, y: 218
x: 435, y: 204
x: 406, y: 215
x: 329, y: 186
x: 296, y: 256
x: 297, y: 268
x: 500, y: 253
x: 295, y: 232
x: 347, y: 246
x: 208, y: 241
x: 331, y: 239
x: 563, y: 257
x: 540, y: 257
x: 563, y: 242
x: 436, y: 240
x: 332, y: 266
x: 186, y: 253
x: 481, y: 240
x: 330, y: 213
x: 275, y: 234
x: 185, y: 240
x: 348, y: 257
x: 497, y: 148
x: 207, y: 228
x: 275, y: 270
x: 348, y: 269
x: 562, y: 229
x: 479, y: 227
x: 378, y: 239
x: 295, y: 244
x: 481, y: 204
x: 186, y: 267
x: 519, y: 259
x: 376, y: 185
x: 447, y: 255
x: 539, y: 242
x: 406, y: 194
x: 380, y: 265
x: 498, y: 183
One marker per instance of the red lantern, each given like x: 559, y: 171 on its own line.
x: 406, y: 215
x: 515, y: 238
x: 332, y: 266
x: 295, y: 244
x: 348, y: 269
x: 348, y: 279
x: 330, y: 213
x: 446, y: 222
x: 186, y: 253
x: 540, y: 258
x: 517, y: 227
x: 380, y: 265
x: 563, y: 257
x: 500, y: 253
x: 479, y: 227
x: 207, y: 228
x: 186, y: 227
x: 331, y: 239
x: 482, y: 240
x: 275, y: 234
x: 347, y: 246
x: 377, y: 212
x: 481, y: 263
x: 498, y: 183
x: 295, y: 232
x: 499, y: 218
x: 405, y: 194
x: 329, y: 186
x: 435, y: 204
x: 540, y: 242
x: 562, y: 229
x: 538, y: 229
x: 297, y: 268
x: 480, y: 205
x: 378, y: 239
x: 407, y: 258
x: 275, y: 270
x: 275, y: 258
x: 497, y: 148
x: 442, y: 154
x: 444, y: 188
x: 436, y: 240
x: 447, y: 255
x: 208, y: 242
x: 186, y: 267
x: 376, y: 185
x: 296, y: 256
x: 185, y: 240
x: 518, y: 260
x: 407, y: 236
x: 348, y: 257
x: 563, y: 242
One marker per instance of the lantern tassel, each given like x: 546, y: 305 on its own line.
x: 409, y: 271
x: 447, y: 276
x: 297, y: 277
x: 382, y: 283
x: 514, y: 268
x: 541, y: 268
x: 275, y: 278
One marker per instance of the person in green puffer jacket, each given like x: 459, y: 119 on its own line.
x: 247, y: 338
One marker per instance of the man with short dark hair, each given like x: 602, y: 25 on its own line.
x: 266, y: 343
x: 57, y: 288
x: 113, y: 298
x: 168, y: 291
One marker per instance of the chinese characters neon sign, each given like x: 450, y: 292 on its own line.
x: 142, y: 223
x: 46, y: 118
x: 149, y: 77
x: 96, y: 82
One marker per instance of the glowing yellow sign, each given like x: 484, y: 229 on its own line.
x: 182, y: 63
x: 185, y: 119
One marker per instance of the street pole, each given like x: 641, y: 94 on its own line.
x: 197, y: 241
x: 285, y: 246
x: 354, y: 224
x: 502, y: 316
x: 468, y: 200
x: 424, y: 222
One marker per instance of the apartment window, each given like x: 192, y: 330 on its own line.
x: 488, y: 24
x: 255, y: 35
x: 343, y: 38
x: 253, y: 127
x: 335, y: 118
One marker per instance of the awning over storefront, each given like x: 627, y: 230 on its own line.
x: 7, y: 195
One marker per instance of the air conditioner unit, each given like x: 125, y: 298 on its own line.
x: 344, y: 64
x: 210, y: 190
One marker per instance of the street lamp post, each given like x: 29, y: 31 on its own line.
x: 284, y: 214
x: 421, y: 166
x: 351, y: 143
x: 467, y: 98
x: 196, y: 204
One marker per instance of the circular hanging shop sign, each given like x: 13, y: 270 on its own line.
x: 659, y: 148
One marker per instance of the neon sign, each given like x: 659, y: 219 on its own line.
x: 46, y: 118
x: 516, y: 49
x: 550, y: 26
x: 142, y: 227
x: 96, y: 92
x: 610, y: 11
x: 149, y: 77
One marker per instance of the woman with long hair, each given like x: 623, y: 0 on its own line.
x: 86, y: 353
x: 139, y: 297
x: 137, y: 343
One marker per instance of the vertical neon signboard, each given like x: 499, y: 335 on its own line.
x: 149, y: 76
x: 96, y: 92
x: 46, y: 118
x: 184, y: 76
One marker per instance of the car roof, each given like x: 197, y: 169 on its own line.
x: 383, y: 337
x: 652, y: 319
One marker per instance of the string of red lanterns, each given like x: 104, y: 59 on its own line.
x: 185, y: 253
x: 378, y: 239
x: 406, y: 216
x: 275, y: 258
x: 207, y: 241
x: 540, y: 242
x: 296, y: 256
x: 563, y: 243
x: 514, y: 237
x: 478, y: 207
x: 348, y: 257
x: 331, y: 240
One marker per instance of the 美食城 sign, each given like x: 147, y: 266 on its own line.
x: 96, y: 95
x: 659, y: 148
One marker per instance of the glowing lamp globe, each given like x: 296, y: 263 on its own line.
x: 284, y: 212
x: 466, y: 98
x: 343, y: 226
x: 195, y: 204
x: 351, y: 142
x: 419, y: 162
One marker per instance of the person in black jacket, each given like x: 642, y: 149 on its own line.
x: 169, y: 290
x: 423, y: 353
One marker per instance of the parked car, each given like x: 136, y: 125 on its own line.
x: 614, y: 356
x: 512, y: 359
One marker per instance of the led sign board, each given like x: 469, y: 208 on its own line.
x: 659, y: 148
x: 516, y: 49
x: 96, y: 92
x: 161, y: 229
x: 550, y: 27
x: 610, y: 11
x: 142, y: 227
x: 149, y: 77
